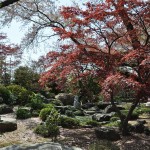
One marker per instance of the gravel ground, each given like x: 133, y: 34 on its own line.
x: 72, y: 137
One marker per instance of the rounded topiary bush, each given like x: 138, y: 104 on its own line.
x: 47, y: 131
x: 36, y: 102
x: 45, y: 112
x: 23, y: 113
x: 67, y: 122
x: 20, y: 93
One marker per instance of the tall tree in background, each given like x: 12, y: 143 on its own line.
x: 9, y: 57
x: 110, y: 40
x: 26, y: 77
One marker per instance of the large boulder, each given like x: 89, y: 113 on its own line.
x: 102, y: 117
x: 107, y: 133
x: 41, y: 146
x: 8, y: 124
x: 65, y: 98
x: 5, y: 109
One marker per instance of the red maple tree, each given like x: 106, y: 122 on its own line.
x: 109, y: 40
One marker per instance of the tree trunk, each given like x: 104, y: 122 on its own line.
x: 124, y: 128
x: 124, y: 125
x: 124, y: 120
x: 7, y: 3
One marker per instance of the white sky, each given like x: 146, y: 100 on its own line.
x: 16, y: 32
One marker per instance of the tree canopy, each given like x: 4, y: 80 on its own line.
x: 109, y: 40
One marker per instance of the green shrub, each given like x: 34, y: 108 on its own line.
x: 114, y: 119
x: 143, y: 110
x: 23, y: 113
x: 42, y: 130
x: 53, y: 131
x: 45, y: 112
x: 50, y: 128
x: 52, y: 124
x: 83, y: 119
x: 56, y: 102
x: 113, y: 124
x: 21, y: 94
x: 36, y: 102
x: 79, y: 113
x: 5, y: 94
x: 93, y: 123
x: 69, y: 113
x: 67, y: 122
x: 50, y: 131
x: 48, y: 105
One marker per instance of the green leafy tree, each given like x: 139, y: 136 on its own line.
x: 26, y: 77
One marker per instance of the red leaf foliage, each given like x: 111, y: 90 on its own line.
x: 100, y: 39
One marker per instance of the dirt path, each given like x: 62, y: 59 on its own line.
x: 71, y: 137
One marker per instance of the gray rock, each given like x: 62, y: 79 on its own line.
x: 4, y: 109
x: 41, y: 146
x: 107, y: 134
x: 76, y: 103
x: 110, y: 109
x: 65, y: 98
x: 102, y: 117
x: 8, y: 124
